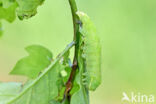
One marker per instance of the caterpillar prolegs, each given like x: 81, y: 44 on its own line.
x: 91, y: 52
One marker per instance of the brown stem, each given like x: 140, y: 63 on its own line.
x: 70, y: 80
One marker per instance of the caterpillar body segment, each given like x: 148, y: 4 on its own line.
x: 91, y: 48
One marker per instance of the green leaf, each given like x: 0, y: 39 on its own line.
x: 44, y: 88
x: 65, y: 101
x: 7, y: 11
x: 41, y: 90
x: 39, y: 58
x: 79, y: 91
x: 66, y: 73
x: 54, y: 102
x: 67, y: 67
x: 27, y: 8
x: 9, y: 91
x: 7, y: 3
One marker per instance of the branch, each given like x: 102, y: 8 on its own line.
x: 76, y: 27
x: 76, y: 39
x: 73, y: 7
x: 74, y: 16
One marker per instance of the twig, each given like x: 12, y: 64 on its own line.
x: 76, y: 39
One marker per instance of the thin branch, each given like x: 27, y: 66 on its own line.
x: 74, y: 16
x: 74, y: 9
x: 76, y: 39
x: 75, y: 26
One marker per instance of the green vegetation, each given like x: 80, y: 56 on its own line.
x: 53, y: 81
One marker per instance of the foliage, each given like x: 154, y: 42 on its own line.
x: 27, y: 8
x: 39, y: 58
x: 23, y: 8
x: 9, y: 91
x: 7, y: 10
x: 53, y: 81
x: 45, y: 87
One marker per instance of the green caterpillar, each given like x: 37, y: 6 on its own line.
x: 91, y: 49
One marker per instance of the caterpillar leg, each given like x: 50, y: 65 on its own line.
x: 83, y: 56
x: 84, y: 74
x: 85, y: 82
x: 85, y: 79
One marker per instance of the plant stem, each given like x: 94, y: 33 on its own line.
x: 76, y: 39
x: 74, y: 16
x: 74, y: 9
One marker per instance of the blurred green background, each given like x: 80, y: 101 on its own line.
x: 127, y: 29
